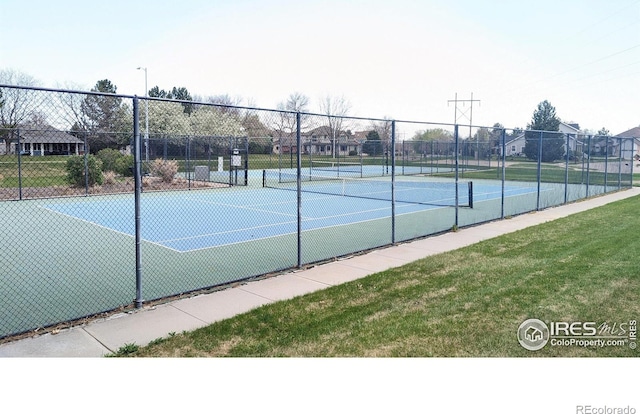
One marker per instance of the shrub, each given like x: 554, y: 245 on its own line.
x: 109, y: 158
x: 124, y: 166
x: 165, y: 169
x: 76, y: 171
x: 109, y: 177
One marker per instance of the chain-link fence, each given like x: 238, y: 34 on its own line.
x: 111, y: 201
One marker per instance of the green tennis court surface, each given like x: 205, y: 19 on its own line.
x: 67, y: 258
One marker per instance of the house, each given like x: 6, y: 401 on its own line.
x: 45, y: 140
x: 515, y: 146
x: 630, y: 146
x: 534, y: 334
x: 317, y: 141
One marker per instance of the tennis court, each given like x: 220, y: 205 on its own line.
x: 81, y: 256
x: 195, y: 220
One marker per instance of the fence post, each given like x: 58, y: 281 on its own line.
x: 137, y: 172
x: 503, y: 158
x: 631, y: 161
x: 539, y: 171
x: 606, y: 163
x: 19, y: 149
x: 457, y: 148
x: 588, y: 164
x: 187, y: 162
x: 86, y: 167
x: 620, y: 143
x: 298, y: 187
x: 393, y: 182
x: 566, y: 169
x: 246, y: 161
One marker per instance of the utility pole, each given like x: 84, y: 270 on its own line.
x: 464, y: 113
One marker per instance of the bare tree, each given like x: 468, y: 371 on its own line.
x: 285, y: 122
x: 71, y: 107
x: 335, y: 109
x: 383, y: 128
x: 16, y: 105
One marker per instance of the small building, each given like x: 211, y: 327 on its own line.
x: 515, y: 146
x: 45, y: 140
x: 630, y: 145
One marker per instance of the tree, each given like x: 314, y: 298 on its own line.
x: 296, y: 102
x: 439, y: 141
x: 182, y: 94
x: 373, y: 145
x: 285, y: 122
x: 15, y: 104
x: 104, y: 117
x: 335, y: 109
x: 178, y: 94
x: 545, y: 124
x: 482, y: 142
x: 383, y: 128
x: 495, y: 138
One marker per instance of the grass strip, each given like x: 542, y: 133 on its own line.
x: 464, y: 303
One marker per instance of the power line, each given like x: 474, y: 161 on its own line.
x: 463, y: 113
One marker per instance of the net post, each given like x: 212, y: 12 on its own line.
x: 470, y: 190
x: 264, y: 178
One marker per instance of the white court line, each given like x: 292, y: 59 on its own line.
x: 244, y: 207
x: 306, y: 220
x: 105, y: 227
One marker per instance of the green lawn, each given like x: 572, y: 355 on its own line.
x: 467, y: 302
x: 549, y: 173
x: 36, y: 171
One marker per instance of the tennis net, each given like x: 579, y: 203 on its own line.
x: 436, y: 193
x: 347, y: 168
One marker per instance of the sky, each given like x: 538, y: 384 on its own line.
x: 401, y: 59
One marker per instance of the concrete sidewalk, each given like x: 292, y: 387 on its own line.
x: 106, y: 336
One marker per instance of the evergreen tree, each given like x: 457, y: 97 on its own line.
x: 545, y: 124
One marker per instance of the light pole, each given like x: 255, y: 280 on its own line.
x: 146, y: 117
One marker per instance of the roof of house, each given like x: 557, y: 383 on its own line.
x: 46, y: 135
x: 633, y: 132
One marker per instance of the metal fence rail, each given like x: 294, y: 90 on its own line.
x: 100, y: 213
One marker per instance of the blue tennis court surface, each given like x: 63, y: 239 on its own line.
x: 186, y: 221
